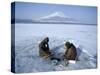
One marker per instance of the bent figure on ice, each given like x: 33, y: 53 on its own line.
x: 70, y: 53
x: 44, y: 50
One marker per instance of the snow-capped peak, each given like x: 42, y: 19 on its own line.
x: 59, y: 14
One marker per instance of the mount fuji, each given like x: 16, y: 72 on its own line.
x: 59, y: 14
x: 56, y: 17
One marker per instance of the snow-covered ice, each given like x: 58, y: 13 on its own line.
x: 28, y: 36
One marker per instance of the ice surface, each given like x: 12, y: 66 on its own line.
x: 28, y: 36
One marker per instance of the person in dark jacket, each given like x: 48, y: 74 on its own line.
x: 70, y: 52
x: 44, y: 50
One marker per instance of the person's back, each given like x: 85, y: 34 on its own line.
x: 70, y: 53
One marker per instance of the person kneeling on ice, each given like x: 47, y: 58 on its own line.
x: 70, y: 52
x: 44, y: 50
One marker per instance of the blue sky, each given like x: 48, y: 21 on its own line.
x: 24, y: 10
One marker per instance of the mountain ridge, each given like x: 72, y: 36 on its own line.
x: 53, y: 18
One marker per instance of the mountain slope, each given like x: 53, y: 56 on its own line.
x: 56, y: 17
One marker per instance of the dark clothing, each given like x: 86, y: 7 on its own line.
x: 44, y: 48
x: 71, y: 52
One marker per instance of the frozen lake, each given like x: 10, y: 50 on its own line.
x: 27, y: 37
x: 85, y: 35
